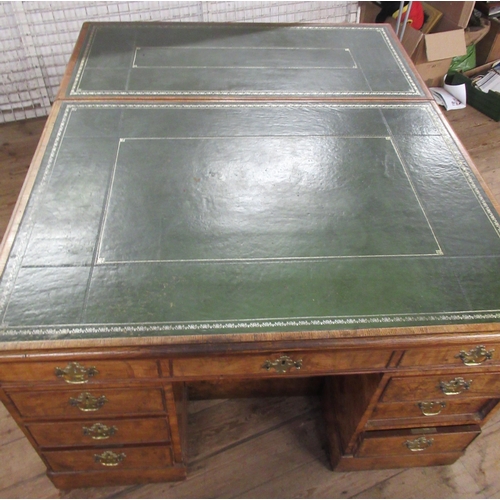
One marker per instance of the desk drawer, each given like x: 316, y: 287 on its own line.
x: 436, y: 387
x: 469, y: 355
x: 100, y: 432
x: 77, y: 372
x: 417, y: 441
x: 144, y: 457
x: 431, y: 409
x: 78, y: 403
x: 281, y: 363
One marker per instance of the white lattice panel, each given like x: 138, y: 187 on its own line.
x: 37, y: 38
x: 280, y: 12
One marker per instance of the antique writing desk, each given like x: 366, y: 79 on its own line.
x: 304, y: 230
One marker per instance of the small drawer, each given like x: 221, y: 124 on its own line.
x: 77, y: 372
x: 446, y: 385
x: 102, y: 432
x: 431, y: 409
x: 417, y: 441
x: 470, y: 355
x: 96, y: 401
x: 143, y: 457
x: 281, y: 363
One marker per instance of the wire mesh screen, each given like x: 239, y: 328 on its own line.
x: 37, y: 38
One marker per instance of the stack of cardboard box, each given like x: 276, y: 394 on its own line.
x: 432, y: 52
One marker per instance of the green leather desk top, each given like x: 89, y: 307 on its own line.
x: 246, y: 59
x: 165, y: 219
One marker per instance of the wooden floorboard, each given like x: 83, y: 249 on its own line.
x: 260, y: 448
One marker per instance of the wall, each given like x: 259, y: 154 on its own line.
x: 37, y: 38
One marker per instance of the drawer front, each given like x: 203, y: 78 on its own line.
x: 469, y: 355
x: 429, y: 409
x: 102, y: 432
x: 281, y: 363
x: 98, y: 401
x: 144, y: 457
x: 436, y: 387
x: 417, y: 441
x: 77, y: 372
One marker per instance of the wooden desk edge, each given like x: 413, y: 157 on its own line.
x: 29, y: 181
x: 468, y: 158
x: 394, y: 338
x: 63, y: 87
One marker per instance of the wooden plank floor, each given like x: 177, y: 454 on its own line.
x: 260, y: 448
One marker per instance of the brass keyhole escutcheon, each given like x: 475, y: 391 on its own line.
x: 75, y: 373
x: 110, y: 459
x: 99, y: 431
x: 476, y: 356
x: 86, y: 402
x: 282, y: 364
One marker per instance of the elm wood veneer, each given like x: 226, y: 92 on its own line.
x: 161, y: 243
x: 110, y: 401
x: 445, y: 384
x: 300, y: 363
x: 432, y: 412
x: 81, y: 444
x: 447, y: 357
x: 350, y: 464
x: 348, y: 402
x: 131, y: 458
x: 108, y: 370
x: 417, y: 441
x: 101, y: 431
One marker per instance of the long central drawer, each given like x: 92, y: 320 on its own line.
x: 279, y: 363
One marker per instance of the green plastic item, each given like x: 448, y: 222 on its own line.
x: 466, y: 62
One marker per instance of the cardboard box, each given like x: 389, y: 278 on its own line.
x: 433, y: 72
x: 448, y: 37
x: 432, y: 52
x: 488, y: 49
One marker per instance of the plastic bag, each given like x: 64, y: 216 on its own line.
x: 466, y: 62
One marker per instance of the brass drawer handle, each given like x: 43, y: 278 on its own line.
x: 110, y: 459
x: 86, y: 402
x: 283, y: 364
x: 75, y: 373
x: 419, y: 444
x: 100, y: 431
x: 430, y: 408
x: 476, y: 356
x: 455, y: 386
